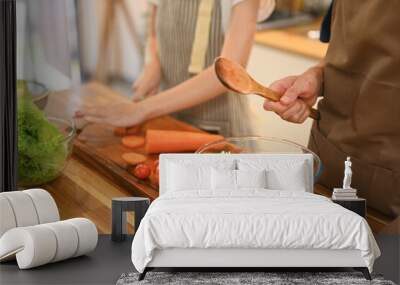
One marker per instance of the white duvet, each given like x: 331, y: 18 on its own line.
x: 250, y: 219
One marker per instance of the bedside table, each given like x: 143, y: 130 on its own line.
x: 357, y: 206
x: 120, y: 206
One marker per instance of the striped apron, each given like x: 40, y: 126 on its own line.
x: 226, y: 114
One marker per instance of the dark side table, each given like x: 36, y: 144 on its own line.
x: 120, y: 206
x: 357, y: 206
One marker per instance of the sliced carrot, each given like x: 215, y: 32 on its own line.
x: 159, y: 141
x: 133, y: 141
x: 120, y: 132
x: 133, y: 158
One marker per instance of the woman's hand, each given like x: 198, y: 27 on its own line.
x: 148, y: 83
x: 299, y: 94
x: 124, y: 114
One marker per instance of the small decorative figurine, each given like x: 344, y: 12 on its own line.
x: 347, y: 174
x: 346, y: 192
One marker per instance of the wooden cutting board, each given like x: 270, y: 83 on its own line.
x: 97, y: 145
x: 102, y: 150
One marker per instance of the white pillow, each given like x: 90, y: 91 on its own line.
x: 223, y: 179
x: 281, y: 174
x: 181, y: 177
x: 290, y: 179
x: 235, y: 179
x: 251, y: 178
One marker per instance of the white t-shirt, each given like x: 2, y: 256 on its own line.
x: 265, y: 10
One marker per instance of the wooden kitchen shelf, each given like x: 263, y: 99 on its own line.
x: 294, y: 40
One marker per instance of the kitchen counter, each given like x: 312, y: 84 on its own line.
x: 81, y: 191
x: 94, y: 173
x: 294, y: 40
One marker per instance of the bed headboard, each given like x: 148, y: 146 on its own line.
x: 215, y: 159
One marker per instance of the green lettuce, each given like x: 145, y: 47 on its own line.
x: 41, y: 148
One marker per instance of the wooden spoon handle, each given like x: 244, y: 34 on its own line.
x: 273, y: 96
x: 314, y: 114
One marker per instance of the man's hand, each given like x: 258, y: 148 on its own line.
x: 299, y: 94
x: 148, y: 83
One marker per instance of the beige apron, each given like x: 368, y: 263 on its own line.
x: 360, y: 112
x: 176, y: 27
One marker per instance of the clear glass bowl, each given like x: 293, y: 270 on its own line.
x: 38, y: 91
x: 68, y: 129
x: 260, y: 145
x: 51, y: 168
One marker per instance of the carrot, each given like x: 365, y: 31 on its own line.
x: 133, y: 141
x: 120, y: 132
x: 159, y: 141
x: 133, y: 158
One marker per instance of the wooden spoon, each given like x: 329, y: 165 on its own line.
x: 234, y: 77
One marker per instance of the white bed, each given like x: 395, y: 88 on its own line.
x: 247, y: 227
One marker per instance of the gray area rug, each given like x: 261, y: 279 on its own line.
x: 243, y: 278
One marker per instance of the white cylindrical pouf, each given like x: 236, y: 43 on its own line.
x: 40, y: 247
x: 45, y: 205
x: 67, y: 240
x: 23, y: 208
x: 35, y: 245
x: 7, y: 218
x: 87, y: 234
x: 41, y: 244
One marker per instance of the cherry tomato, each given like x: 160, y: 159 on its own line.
x: 142, y: 171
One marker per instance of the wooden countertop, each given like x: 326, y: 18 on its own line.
x: 81, y: 191
x: 86, y: 188
x: 294, y: 40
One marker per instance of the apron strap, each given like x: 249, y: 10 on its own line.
x: 201, y: 37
